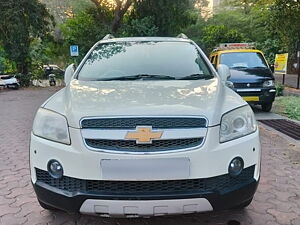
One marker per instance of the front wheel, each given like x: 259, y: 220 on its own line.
x: 266, y: 107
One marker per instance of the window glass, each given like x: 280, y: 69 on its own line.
x: 117, y: 59
x: 243, y: 60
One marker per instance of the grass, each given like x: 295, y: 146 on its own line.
x: 288, y: 106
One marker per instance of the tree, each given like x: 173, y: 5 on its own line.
x: 170, y: 16
x: 21, y: 21
x: 5, y: 64
x: 245, y: 5
x: 119, y: 8
x: 85, y: 29
x: 214, y: 35
x: 141, y: 27
x: 285, y: 17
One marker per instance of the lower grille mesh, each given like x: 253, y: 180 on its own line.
x: 123, y: 188
x: 157, y: 145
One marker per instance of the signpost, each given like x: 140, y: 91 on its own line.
x: 298, y: 66
x: 74, y: 50
x: 281, y: 65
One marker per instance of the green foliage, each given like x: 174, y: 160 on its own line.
x: 288, y: 106
x: 270, y: 48
x: 170, y: 16
x: 247, y: 21
x: 279, y: 89
x: 195, y: 31
x: 214, y: 35
x: 285, y: 17
x: 85, y: 29
x: 24, y: 79
x: 61, y: 10
x: 20, y: 22
x: 141, y: 27
x: 244, y: 5
x: 6, y: 66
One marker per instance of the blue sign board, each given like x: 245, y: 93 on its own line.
x: 74, y: 50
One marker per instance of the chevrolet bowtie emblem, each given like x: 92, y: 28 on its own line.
x: 143, y: 135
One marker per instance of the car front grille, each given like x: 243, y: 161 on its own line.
x: 120, y: 144
x: 157, y: 145
x: 132, y: 123
x: 244, y: 85
x: 139, y: 188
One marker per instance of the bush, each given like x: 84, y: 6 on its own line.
x: 279, y: 89
x: 24, y: 80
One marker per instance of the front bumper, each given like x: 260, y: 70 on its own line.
x: 257, y: 95
x: 134, y: 206
x: 206, y: 162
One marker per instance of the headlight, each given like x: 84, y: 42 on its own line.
x: 268, y: 83
x: 237, y: 123
x: 50, y: 125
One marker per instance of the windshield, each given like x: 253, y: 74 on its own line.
x: 242, y: 60
x: 144, y: 60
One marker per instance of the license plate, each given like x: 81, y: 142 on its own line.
x: 145, y: 169
x: 251, y: 99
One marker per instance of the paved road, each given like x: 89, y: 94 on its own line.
x: 290, y: 79
x: 277, y: 200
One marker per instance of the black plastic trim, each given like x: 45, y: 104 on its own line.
x: 71, y: 202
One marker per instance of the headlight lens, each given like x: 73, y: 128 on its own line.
x: 268, y: 83
x: 237, y: 123
x: 50, y: 125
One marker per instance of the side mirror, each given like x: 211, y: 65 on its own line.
x: 224, y: 72
x: 69, y: 73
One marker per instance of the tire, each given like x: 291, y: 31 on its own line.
x: 266, y: 107
x: 45, y: 206
x: 16, y: 87
x: 243, y: 205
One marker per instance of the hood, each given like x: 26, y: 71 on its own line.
x: 250, y: 75
x: 208, y: 98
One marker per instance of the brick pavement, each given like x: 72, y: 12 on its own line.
x: 277, y: 200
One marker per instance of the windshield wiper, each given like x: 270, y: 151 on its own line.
x: 196, y: 76
x: 258, y: 67
x: 140, y: 77
x: 239, y: 67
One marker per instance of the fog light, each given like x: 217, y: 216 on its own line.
x: 236, y: 166
x: 55, y: 169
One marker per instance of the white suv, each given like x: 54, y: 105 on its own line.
x: 145, y: 127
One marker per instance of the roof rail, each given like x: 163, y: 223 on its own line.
x: 182, y: 35
x: 108, y: 36
x: 229, y: 46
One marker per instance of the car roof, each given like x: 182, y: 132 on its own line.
x: 137, y: 39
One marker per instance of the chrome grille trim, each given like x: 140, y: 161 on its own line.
x: 168, y: 134
x: 86, y: 132
x: 156, y: 146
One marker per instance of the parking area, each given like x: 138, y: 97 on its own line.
x: 277, y: 200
